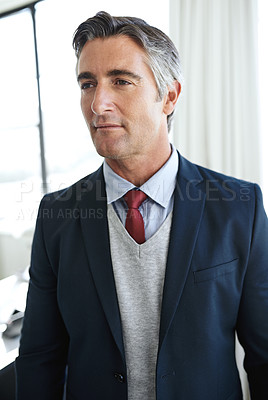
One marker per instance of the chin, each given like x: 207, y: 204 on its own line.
x: 111, y: 152
x: 108, y: 154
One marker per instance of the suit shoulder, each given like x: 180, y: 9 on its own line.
x: 72, y: 194
x: 217, y: 183
x: 220, y: 178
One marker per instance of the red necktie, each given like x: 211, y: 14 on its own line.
x: 134, y: 220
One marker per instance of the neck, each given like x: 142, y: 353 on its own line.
x: 139, y: 170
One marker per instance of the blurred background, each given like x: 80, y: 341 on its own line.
x: 221, y: 119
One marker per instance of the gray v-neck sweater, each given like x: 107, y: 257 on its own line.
x: 139, y: 272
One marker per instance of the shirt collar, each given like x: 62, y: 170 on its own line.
x: 159, y: 187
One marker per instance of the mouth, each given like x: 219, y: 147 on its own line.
x: 107, y: 126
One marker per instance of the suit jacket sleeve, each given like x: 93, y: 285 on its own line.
x: 42, y: 359
x: 252, y: 326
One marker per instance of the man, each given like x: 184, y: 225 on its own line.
x: 142, y: 301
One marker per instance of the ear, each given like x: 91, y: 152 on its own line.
x: 171, y: 98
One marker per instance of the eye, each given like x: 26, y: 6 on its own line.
x: 87, y: 85
x: 122, y: 82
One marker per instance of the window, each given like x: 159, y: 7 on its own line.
x: 69, y: 153
x: 263, y: 81
x: 19, y: 150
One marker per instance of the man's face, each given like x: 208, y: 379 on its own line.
x: 119, y: 99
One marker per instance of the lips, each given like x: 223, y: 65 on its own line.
x: 107, y: 125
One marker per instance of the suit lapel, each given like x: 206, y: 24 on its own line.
x: 96, y: 237
x: 188, y: 208
x: 187, y: 213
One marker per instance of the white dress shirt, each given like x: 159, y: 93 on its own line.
x: 159, y: 189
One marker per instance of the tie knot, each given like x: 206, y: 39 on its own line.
x: 134, y: 198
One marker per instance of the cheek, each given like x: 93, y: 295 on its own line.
x: 148, y: 113
x: 85, y: 105
x: 140, y: 110
x: 82, y: 104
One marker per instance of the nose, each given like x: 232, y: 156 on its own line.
x: 102, y: 100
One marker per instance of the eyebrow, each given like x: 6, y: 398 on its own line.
x: 125, y: 72
x: 114, y: 72
x: 85, y: 75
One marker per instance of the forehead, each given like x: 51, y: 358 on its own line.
x: 110, y: 53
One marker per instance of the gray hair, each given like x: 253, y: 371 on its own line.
x: 163, y: 57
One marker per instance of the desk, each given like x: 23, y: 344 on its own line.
x: 13, y: 292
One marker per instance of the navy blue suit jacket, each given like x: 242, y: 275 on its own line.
x: 216, y: 283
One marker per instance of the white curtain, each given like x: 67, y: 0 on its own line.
x: 217, y: 120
